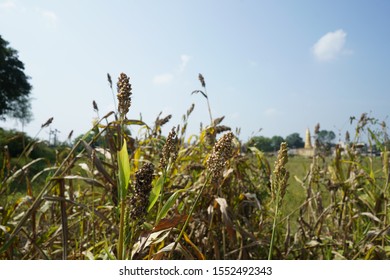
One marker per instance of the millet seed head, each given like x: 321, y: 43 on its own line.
x: 317, y: 128
x: 124, y: 93
x: 201, y: 79
x: 95, y: 106
x: 221, y: 128
x: 189, y: 111
x: 109, y: 79
x: 161, y: 122
x: 222, y: 151
x: 281, y: 174
x: 143, y: 185
x: 170, y: 149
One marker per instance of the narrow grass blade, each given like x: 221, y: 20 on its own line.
x: 154, y: 194
x: 168, y: 205
x: 124, y: 171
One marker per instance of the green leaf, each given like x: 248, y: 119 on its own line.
x: 124, y: 171
x: 154, y: 194
x: 22, y: 170
x: 131, y: 122
x: 375, y: 138
x: 199, y: 91
x: 168, y: 205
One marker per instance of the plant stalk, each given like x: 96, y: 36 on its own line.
x: 121, y: 230
x: 188, y: 217
x: 274, y: 226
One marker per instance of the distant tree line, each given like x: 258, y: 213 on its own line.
x: 272, y: 144
x: 323, y: 138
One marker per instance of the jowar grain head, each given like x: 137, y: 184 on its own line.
x: 170, y: 149
x: 222, y: 151
x: 124, y: 93
x: 143, y: 185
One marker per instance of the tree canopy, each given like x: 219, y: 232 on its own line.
x: 326, y: 137
x: 266, y: 144
x: 294, y: 141
x: 262, y: 143
x: 14, y: 85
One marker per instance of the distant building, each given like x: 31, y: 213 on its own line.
x: 308, y: 140
x: 308, y: 150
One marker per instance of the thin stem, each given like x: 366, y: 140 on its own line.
x: 273, y: 227
x: 121, y: 230
x: 114, y: 98
x: 385, y: 191
x: 160, y: 201
x: 188, y: 217
x: 122, y: 202
x: 93, y: 203
x: 133, y: 224
x: 209, y: 107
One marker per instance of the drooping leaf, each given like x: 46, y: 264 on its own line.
x: 199, y: 91
x: 22, y: 170
x: 223, y: 207
x: 170, y: 223
x: 148, y: 238
x: 253, y: 198
x: 88, y: 180
x: 312, y: 244
x: 131, y: 122
x: 98, y: 164
x: 178, y: 248
x: 371, y: 216
x: 198, y: 253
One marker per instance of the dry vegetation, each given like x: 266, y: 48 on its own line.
x: 203, y: 197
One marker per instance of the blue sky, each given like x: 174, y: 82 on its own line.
x: 278, y: 66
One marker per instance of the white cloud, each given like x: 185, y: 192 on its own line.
x: 329, y: 46
x: 7, y: 5
x: 184, y: 59
x: 167, y: 78
x: 163, y: 79
x: 49, y: 16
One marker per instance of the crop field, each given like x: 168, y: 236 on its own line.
x: 111, y: 195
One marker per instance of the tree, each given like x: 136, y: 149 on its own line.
x: 262, y: 143
x: 276, y: 141
x: 325, y: 141
x: 326, y: 137
x: 14, y: 86
x: 294, y: 141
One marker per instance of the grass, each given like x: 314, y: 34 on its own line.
x: 206, y: 196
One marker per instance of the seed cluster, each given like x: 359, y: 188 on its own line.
x: 161, y: 122
x: 124, y: 93
x: 222, y: 151
x: 109, y: 80
x: 221, y: 128
x: 201, y: 79
x: 95, y: 106
x: 281, y: 174
x: 143, y: 185
x: 189, y: 111
x: 316, y: 131
x: 170, y: 149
